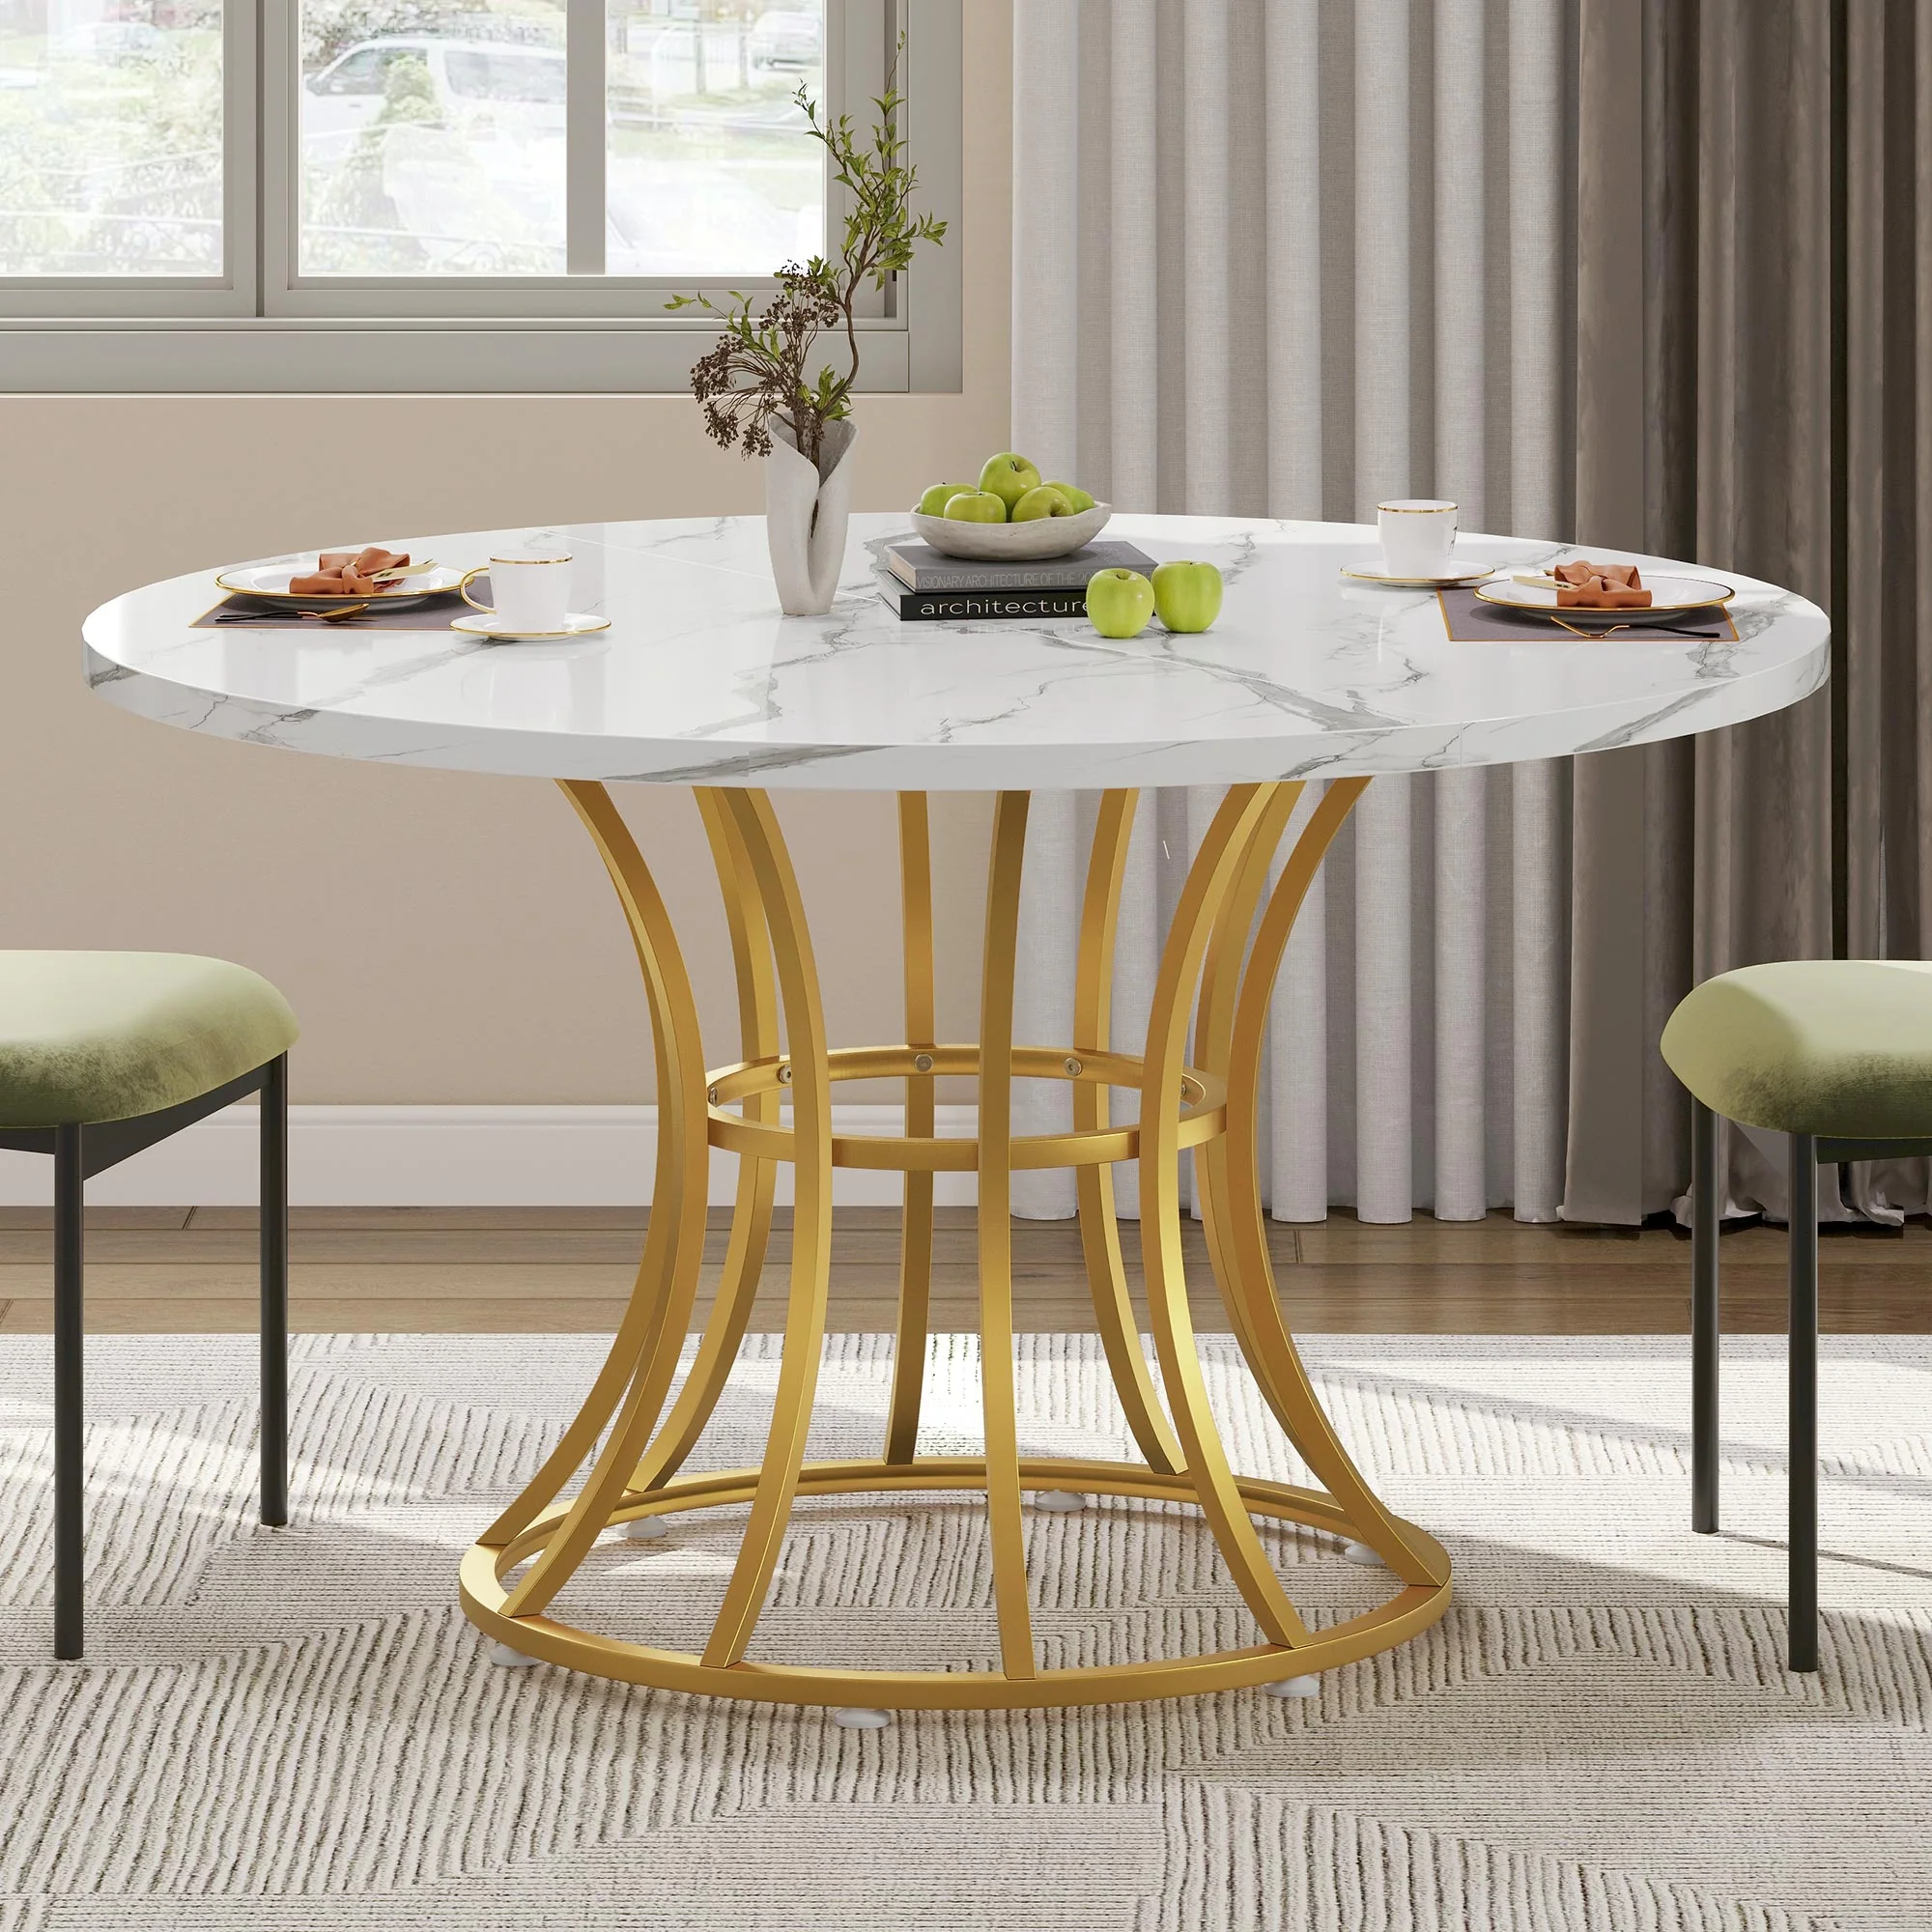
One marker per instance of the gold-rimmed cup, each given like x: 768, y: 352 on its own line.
x: 531, y: 593
x: 1418, y: 535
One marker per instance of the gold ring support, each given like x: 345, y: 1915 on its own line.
x: 1196, y: 1085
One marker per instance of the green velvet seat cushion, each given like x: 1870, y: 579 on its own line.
x: 1840, y: 1047
x: 106, y: 1035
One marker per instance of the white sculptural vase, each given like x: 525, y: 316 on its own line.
x: 806, y: 507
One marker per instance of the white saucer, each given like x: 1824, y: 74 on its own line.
x: 483, y: 624
x: 1473, y: 573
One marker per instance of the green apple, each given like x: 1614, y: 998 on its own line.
x: 975, y: 506
x: 1008, y: 477
x: 1074, y: 494
x: 1044, y: 502
x: 1119, y: 603
x: 1187, y: 595
x: 934, y: 503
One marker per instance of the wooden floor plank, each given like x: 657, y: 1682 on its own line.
x: 461, y: 1219
x: 322, y: 1316
x: 1759, y: 1312
x: 41, y: 1220
x: 1036, y: 1244
x: 199, y: 1244
x: 1497, y: 1239
x: 139, y: 1280
x: 515, y: 1270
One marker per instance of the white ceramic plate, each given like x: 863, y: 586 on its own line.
x: 1670, y: 596
x: 1013, y: 543
x: 1464, y: 574
x: 484, y: 624
x: 270, y: 583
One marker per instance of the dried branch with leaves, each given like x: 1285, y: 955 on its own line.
x: 757, y: 371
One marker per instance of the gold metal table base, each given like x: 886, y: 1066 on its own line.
x: 1198, y: 1082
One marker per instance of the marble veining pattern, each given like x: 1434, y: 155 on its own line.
x: 700, y: 680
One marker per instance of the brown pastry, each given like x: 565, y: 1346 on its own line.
x: 1600, y: 587
x: 348, y: 573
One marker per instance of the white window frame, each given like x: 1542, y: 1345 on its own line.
x: 263, y: 326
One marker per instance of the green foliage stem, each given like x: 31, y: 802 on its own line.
x: 757, y: 371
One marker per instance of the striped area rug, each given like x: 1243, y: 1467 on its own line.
x: 296, y: 1730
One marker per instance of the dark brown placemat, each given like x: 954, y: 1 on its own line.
x: 1469, y: 620
x: 246, y: 613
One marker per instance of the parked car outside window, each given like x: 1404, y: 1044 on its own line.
x: 786, y: 39
x: 464, y: 77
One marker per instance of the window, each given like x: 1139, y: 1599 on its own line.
x: 111, y: 150
x: 438, y: 193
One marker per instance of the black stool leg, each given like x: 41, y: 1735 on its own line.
x: 1803, y: 1616
x: 70, y: 1188
x: 275, y: 1292
x: 1706, y: 1213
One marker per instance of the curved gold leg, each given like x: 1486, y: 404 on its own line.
x: 1232, y: 1207
x: 1215, y: 1016
x: 916, y: 1226
x: 1222, y: 975
x: 751, y: 1212
x: 998, y: 1403
x: 811, y: 1229
x: 1208, y: 881
x: 1099, y: 1230
x: 675, y: 1242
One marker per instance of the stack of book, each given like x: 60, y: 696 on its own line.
x: 924, y: 585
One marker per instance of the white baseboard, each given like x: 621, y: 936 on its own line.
x: 449, y: 1157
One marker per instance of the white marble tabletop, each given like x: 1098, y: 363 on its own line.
x: 699, y: 680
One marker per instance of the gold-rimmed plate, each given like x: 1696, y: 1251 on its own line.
x: 1460, y: 577
x: 487, y: 624
x: 1671, y: 598
x: 269, y: 583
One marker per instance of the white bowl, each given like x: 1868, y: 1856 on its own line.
x: 1013, y: 543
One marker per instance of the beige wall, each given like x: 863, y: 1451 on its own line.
x: 445, y: 938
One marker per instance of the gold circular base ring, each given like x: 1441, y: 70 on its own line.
x: 1411, y: 1609
x: 1202, y: 1115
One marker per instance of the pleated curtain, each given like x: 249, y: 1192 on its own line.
x: 1885, y: 772
x: 1755, y: 318
x: 1284, y: 257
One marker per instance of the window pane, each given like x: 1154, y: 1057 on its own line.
x: 433, y: 137
x: 708, y: 169
x: 110, y: 138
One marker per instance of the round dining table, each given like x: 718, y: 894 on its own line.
x: 1309, y: 685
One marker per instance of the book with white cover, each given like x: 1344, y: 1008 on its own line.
x: 921, y: 567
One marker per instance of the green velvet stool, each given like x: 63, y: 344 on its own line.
x: 1837, y: 1054
x: 102, y: 1054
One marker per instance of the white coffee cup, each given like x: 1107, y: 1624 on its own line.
x: 1418, y: 534
x: 532, y: 593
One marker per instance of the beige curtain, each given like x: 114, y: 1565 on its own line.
x: 1284, y: 257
